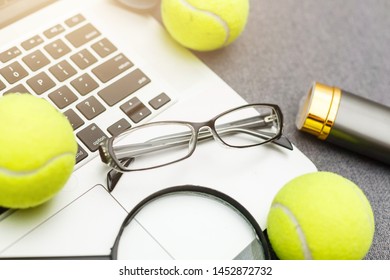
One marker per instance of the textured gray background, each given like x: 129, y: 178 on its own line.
x: 288, y: 44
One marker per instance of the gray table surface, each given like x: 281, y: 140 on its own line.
x: 288, y: 44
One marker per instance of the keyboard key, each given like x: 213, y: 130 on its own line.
x: 112, y: 68
x: 123, y: 87
x: 81, y: 154
x: 2, y: 85
x: 92, y: 136
x: 54, y: 31
x: 135, y: 110
x: 40, y: 83
x: 32, y: 42
x: 82, y: 35
x: 104, y: 48
x: 159, y: 101
x: 62, y: 71
x: 91, y: 107
x: 17, y: 89
x: 62, y: 97
x: 73, y: 21
x: 36, y: 60
x: 84, y: 84
x: 74, y: 119
x: 9, y: 54
x: 57, y: 49
x: 13, y: 72
x: 118, y: 127
x: 83, y: 59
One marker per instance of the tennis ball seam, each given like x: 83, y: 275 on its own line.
x: 302, y: 238
x: 215, y: 16
x: 12, y: 173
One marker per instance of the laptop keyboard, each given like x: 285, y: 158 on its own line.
x: 81, y: 72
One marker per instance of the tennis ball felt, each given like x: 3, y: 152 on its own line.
x: 205, y: 25
x: 320, y: 215
x: 37, y: 151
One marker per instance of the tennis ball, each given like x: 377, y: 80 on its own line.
x: 37, y: 151
x: 320, y: 215
x: 205, y: 25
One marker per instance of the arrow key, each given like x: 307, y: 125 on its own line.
x: 118, y: 127
x: 135, y: 110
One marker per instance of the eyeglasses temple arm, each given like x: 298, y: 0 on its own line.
x: 113, y: 175
x: 254, y: 122
x: 177, y: 139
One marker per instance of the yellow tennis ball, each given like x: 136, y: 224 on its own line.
x: 205, y: 25
x: 320, y: 215
x: 37, y: 151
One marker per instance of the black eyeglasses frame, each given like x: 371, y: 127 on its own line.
x: 107, y: 153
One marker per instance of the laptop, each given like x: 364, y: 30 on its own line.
x: 108, y: 68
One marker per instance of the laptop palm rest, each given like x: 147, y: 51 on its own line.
x: 88, y: 226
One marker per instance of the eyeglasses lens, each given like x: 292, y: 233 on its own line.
x: 248, y: 126
x: 153, y: 145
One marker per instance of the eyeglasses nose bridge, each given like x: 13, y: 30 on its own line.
x: 206, y: 130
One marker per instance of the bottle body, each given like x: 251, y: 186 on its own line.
x: 347, y: 120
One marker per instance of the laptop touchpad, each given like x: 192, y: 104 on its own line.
x: 88, y: 226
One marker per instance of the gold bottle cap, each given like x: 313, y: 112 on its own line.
x: 318, y: 110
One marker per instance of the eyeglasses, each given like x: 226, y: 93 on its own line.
x: 159, y: 144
